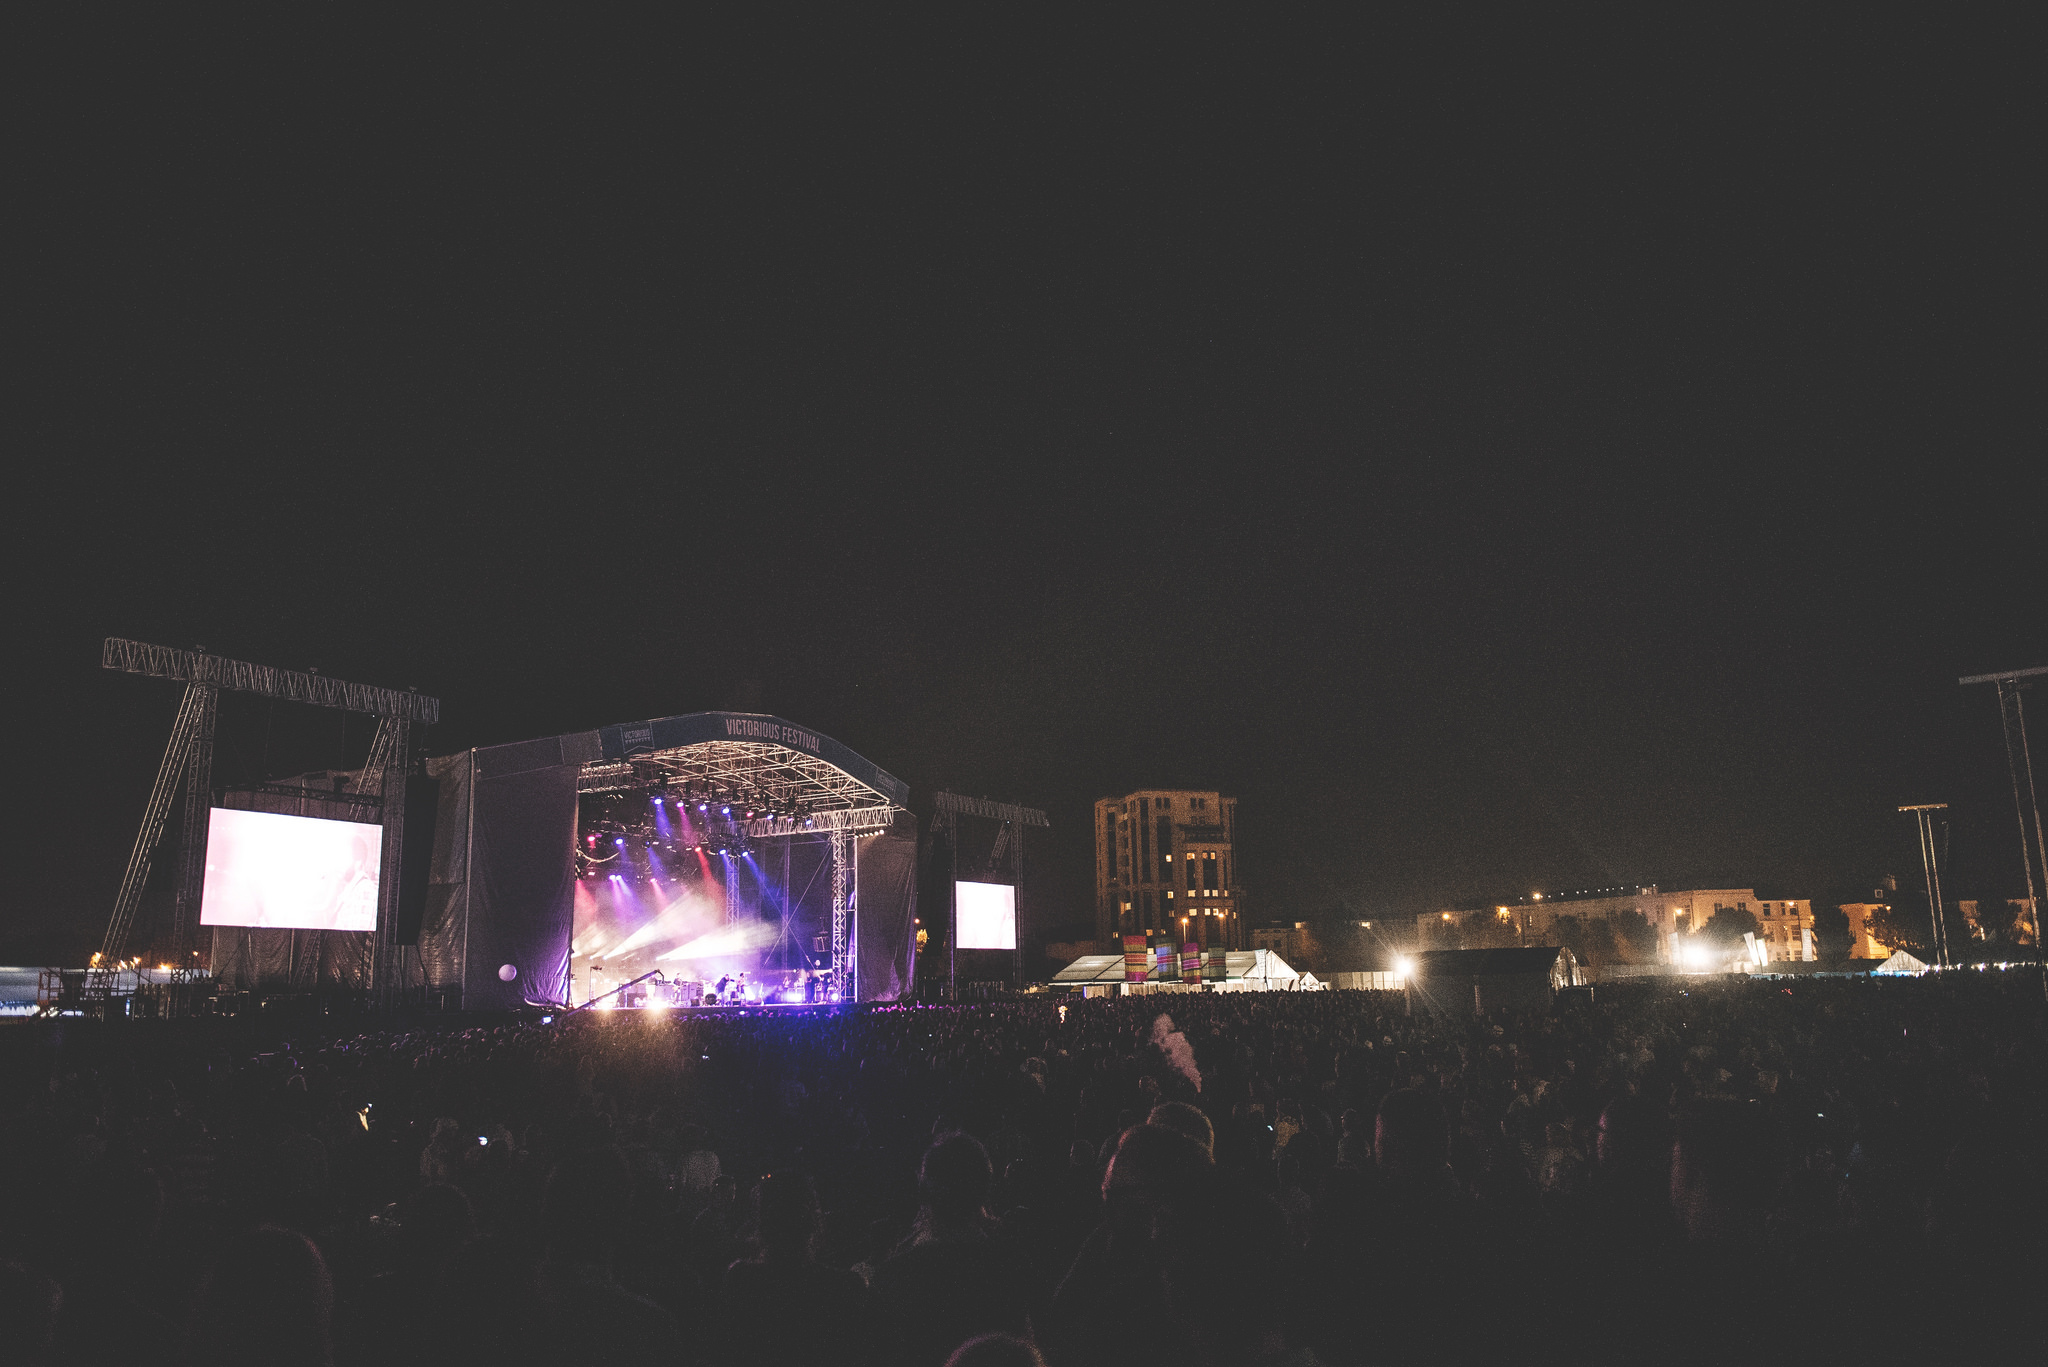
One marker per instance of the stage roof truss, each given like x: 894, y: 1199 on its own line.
x: 240, y: 676
x: 751, y: 769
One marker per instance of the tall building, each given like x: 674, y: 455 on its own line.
x: 1163, y: 862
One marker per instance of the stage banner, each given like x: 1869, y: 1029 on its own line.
x: 1213, y: 966
x: 1168, y: 953
x: 1135, y: 956
x: 1191, y: 962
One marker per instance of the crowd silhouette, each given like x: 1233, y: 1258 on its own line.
x: 1711, y: 1171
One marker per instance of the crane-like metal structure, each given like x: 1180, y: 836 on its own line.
x: 2026, y: 801
x: 188, y: 763
x: 1931, y: 866
x: 1009, y: 841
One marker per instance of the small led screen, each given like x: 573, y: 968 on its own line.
x: 987, y: 915
x: 290, y: 872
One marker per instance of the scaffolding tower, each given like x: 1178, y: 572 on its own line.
x: 188, y: 763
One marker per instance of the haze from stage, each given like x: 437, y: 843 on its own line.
x: 987, y: 916
x: 268, y: 870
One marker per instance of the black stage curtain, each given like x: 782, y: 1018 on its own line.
x: 522, y: 886
x: 887, y: 913
x: 502, y: 885
x: 447, y: 907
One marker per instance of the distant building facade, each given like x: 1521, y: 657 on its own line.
x: 1292, y: 943
x: 2021, y: 921
x: 1784, y: 925
x: 1164, y: 860
x: 1862, y: 915
x: 1861, y: 943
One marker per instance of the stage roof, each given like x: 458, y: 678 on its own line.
x: 760, y: 755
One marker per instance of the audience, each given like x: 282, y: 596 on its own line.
x: 1674, y: 1169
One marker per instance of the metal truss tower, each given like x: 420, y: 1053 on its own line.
x: 2026, y: 799
x: 1931, y: 865
x: 845, y: 978
x: 188, y: 762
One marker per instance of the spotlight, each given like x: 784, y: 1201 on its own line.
x: 657, y: 799
x: 725, y: 811
x: 620, y: 841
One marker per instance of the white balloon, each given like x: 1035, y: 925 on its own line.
x: 506, y: 973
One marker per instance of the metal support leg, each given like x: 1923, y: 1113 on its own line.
x: 842, y: 886
x: 953, y: 910
x: 99, y: 982
x: 851, y: 991
x: 2019, y: 764
x: 393, y: 747
x: 191, y: 884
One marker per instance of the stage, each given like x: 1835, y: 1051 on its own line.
x: 700, y: 847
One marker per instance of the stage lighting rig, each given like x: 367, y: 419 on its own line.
x: 732, y: 844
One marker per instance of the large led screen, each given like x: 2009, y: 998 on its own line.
x: 986, y: 915
x: 290, y: 872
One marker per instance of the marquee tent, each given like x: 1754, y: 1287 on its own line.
x: 1255, y: 970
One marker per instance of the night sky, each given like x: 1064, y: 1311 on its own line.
x: 1506, y: 453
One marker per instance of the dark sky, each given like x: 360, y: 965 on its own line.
x: 1506, y: 457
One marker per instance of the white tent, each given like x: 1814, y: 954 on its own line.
x: 1900, y: 962
x: 1245, y: 970
x: 1260, y: 970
